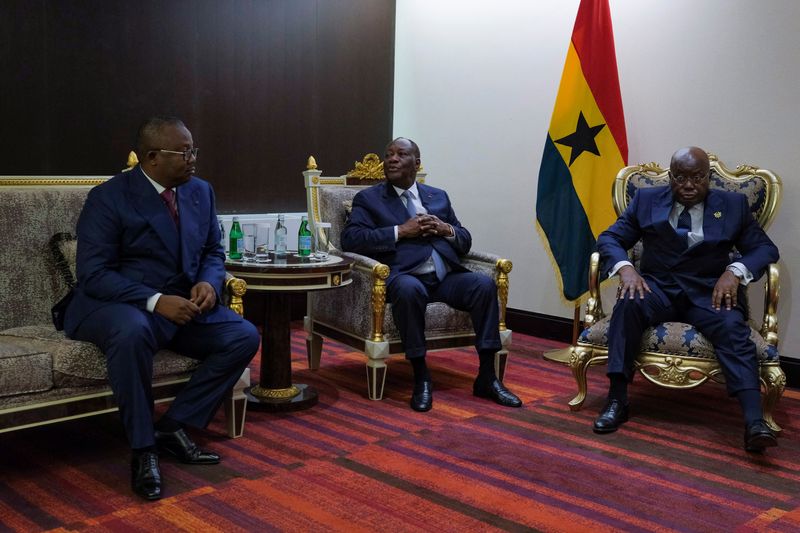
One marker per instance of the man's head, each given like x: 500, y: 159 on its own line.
x: 166, y: 150
x: 689, y: 175
x: 400, y: 162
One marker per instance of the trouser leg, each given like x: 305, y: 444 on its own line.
x: 629, y: 320
x: 225, y: 349
x: 129, y: 338
x: 729, y: 332
x: 476, y: 294
x: 409, y: 299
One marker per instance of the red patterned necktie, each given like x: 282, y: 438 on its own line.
x: 169, y: 198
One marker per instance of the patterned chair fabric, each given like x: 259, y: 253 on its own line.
x: 675, y: 354
x: 357, y: 314
x: 44, y: 376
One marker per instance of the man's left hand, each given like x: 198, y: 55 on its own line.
x: 725, y: 291
x: 203, y: 296
x: 433, y: 227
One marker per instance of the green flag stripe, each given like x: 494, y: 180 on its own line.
x: 564, y: 222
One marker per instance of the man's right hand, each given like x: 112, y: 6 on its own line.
x: 177, y: 309
x: 631, y: 283
x: 410, y: 228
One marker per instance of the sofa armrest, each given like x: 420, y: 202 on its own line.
x: 232, y: 292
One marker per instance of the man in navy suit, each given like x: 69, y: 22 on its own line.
x: 686, y: 274
x: 412, y: 228
x: 150, y: 274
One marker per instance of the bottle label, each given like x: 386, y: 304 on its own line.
x: 304, y: 245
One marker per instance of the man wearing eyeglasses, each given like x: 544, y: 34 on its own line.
x: 688, y: 232
x: 150, y: 274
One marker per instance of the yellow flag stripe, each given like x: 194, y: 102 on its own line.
x: 592, y: 176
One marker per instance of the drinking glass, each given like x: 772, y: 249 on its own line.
x: 322, y: 231
x: 262, y: 243
x: 249, y: 231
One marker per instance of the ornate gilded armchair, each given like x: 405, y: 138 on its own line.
x: 674, y: 354
x: 358, y: 315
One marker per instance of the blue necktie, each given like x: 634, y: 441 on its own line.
x: 438, y: 262
x: 684, y: 225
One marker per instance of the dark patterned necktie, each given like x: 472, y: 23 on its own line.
x: 170, y: 200
x: 684, y: 225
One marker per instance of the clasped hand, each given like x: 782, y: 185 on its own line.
x: 180, y: 310
x: 425, y: 226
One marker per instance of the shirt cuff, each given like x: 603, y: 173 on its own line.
x: 452, y: 237
x: 617, y: 266
x: 396, y: 238
x: 152, y: 301
x: 741, y: 272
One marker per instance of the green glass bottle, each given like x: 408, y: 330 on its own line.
x: 236, y: 240
x: 304, y: 238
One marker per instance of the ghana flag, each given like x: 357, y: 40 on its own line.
x: 585, y: 148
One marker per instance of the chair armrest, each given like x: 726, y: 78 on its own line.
x: 594, y: 304
x: 496, y: 268
x: 378, y: 272
x: 769, y: 325
x: 232, y: 291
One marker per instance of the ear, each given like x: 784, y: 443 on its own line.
x: 150, y: 158
x: 417, y: 163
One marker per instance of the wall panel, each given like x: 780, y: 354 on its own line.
x: 261, y: 85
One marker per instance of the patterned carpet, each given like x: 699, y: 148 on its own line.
x: 350, y: 464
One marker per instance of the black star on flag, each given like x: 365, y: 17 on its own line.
x: 582, y: 140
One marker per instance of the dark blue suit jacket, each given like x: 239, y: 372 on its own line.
x: 370, y: 229
x: 129, y: 248
x: 727, y: 223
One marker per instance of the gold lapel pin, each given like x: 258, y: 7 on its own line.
x: 718, y: 214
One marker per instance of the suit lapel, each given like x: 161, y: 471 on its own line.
x: 660, y: 216
x: 146, y: 201
x: 395, y: 204
x: 189, y: 213
x: 714, y: 217
x: 425, y: 196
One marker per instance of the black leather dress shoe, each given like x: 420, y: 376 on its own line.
x: 498, y: 392
x: 758, y: 436
x: 181, y: 446
x: 422, y: 397
x: 613, y: 415
x: 145, y: 475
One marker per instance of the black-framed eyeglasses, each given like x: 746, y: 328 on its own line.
x: 187, y: 154
x: 697, y: 179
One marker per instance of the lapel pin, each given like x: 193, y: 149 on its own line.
x: 718, y: 214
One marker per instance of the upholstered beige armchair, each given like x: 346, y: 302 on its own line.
x: 358, y: 315
x: 674, y: 354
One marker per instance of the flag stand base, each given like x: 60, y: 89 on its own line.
x: 561, y: 355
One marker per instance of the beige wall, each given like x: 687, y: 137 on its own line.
x: 475, y: 84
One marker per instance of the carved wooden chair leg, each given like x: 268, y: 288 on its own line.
x: 236, y: 406
x: 774, y: 381
x: 500, y: 359
x: 376, y: 378
x: 579, y: 364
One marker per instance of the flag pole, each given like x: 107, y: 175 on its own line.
x: 562, y: 355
